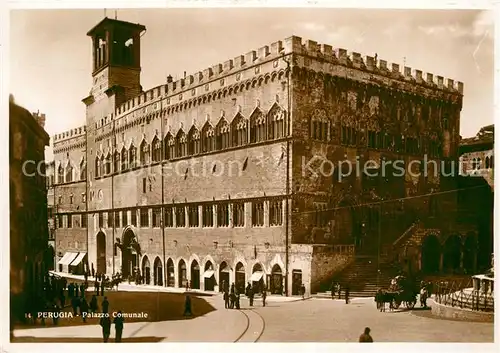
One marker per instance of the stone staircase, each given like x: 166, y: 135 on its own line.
x: 361, y: 276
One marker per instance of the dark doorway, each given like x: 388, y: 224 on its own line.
x: 240, y: 278
x: 195, y: 275
x: 182, y: 274
x: 431, y: 255
x: 209, y: 276
x: 452, y: 254
x: 146, y: 270
x: 101, y: 252
x: 171, y: 273
x: 296, y: 281
x: 130, y: 251
x: 50, y: 258
x: 224, y: 277
x: 158, y: 272
x: 276, y: 285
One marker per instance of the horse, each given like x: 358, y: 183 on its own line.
x: 383, y: 297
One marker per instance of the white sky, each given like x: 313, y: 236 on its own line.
x: 50, y: 55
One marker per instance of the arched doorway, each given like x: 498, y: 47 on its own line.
x: 224, y: 277
x: 146, y: 270
x: 195, y: 275
x: 209, y: 276
x: 182, y: 274
x: 452, y: 253
x: 257, y: 279
x: 276, y: 285
x: 158, y: 272
x: 101, y: 252
x: 431, y: 255
x: 130, y: 252
x: 240, y: 278
x: 470, y: 254
x: 170, y: 273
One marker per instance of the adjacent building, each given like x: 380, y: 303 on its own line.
x: 477, y: 154
x: 29, y: 256
x: 226, y: 175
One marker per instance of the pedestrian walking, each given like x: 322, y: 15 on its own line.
x: 118, y: 321
x: 237, y: 301
x: 250, y: 296
x: 105, y: 323
x: 77, y: 290
x: 82, y: 290
x: 232, y: 298
x: 105, y: 305
x: 74, y: 305
x: 93, y: 304
x: 332, y: 290
x: 93, y: 271
x: 102, y: 288
x: 84, y: 309
x: 226, y: 300
x: 347, y: 294
x: 264, y: 295
x: 366, y: 337
x: 96, y: 287
x: 187, y: 306
x: 55, y: 317
x: 303, y: 291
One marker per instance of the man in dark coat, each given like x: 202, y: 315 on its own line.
x: 102, y: 288
x: 71, y: 289
x: 264, y: 295
x: 347, y: 294
x: 105, y: 305
x: 237, y: 300
x: 96, y: 285
x: 118, y: 321
x: 75, y: 303
x: 226, y: 299
x: 365, y: 337
x: 187, y: 306
x: 82, y: 290
x: 84, y: 309
x: 77, y: 292
x: 250, y: 295
x: 93, y: 304
x: 93, y: 271
x: 105, y: 323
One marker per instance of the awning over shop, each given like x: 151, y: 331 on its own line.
x: 78, y: 259
x: 208, y: 274
x: 256, y: 276
x: 67, y: 258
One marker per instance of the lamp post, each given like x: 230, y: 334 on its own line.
x: 378, y: 245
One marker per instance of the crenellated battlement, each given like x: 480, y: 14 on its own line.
x: 381, y: 67
x: 201, y: 78
x: 66, y: 135
x: 212, y: 78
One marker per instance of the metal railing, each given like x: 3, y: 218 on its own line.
x: 461, y: 294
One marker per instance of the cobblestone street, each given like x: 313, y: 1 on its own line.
x: 325, y: 320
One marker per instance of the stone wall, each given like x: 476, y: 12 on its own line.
x: 456, y: 313
x: 326, y: 262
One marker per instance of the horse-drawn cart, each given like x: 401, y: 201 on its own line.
x: 401, y: 291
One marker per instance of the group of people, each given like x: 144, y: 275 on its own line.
x: 232, y: 295
x: 336, y: 289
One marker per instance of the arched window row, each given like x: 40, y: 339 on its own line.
x: 67, y: 173
x: 260, y: 127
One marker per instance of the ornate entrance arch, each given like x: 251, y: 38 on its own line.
x: 170, y: 273
x: 240, y: 277
x: 131, y: 251
x: 182, y: 273
x: 101, y: 252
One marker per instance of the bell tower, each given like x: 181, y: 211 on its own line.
x: 116, y: 58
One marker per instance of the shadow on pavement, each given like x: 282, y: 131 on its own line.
x: 30, y: 339
x: 149, y: 306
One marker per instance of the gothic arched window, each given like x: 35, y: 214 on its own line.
x: 239, y: 128
x: 223, y: 140
x: 208, y: 138
x: 156, y: 150
x: 194, y: 141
